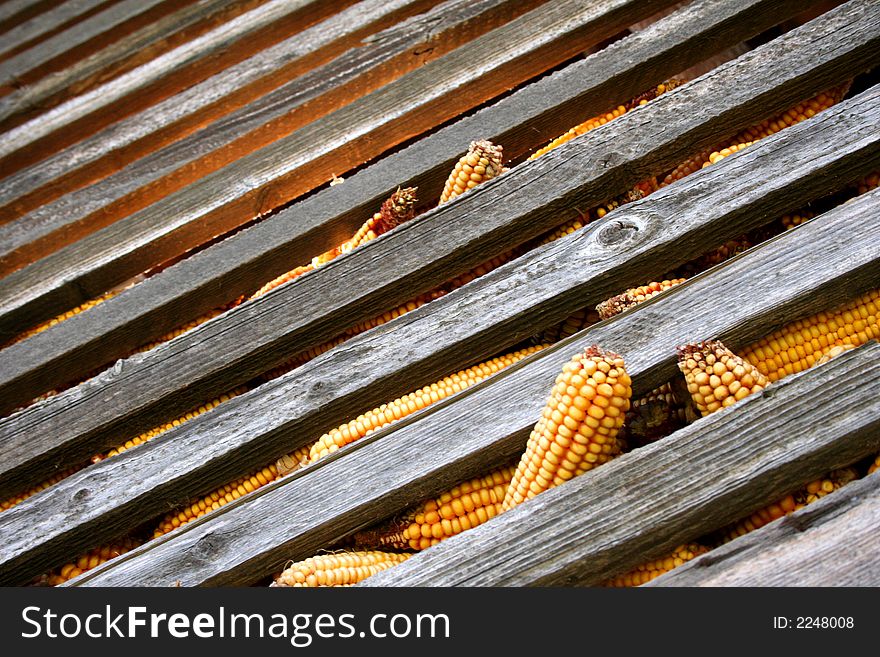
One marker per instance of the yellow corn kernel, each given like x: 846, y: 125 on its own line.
x: 91, y: 560
x: 294, y: 461
x: 465, y: 506
x: 412, y: 402
x: 799, y: 344
x: 716, y: 377
x: 399, y: 208
x: 578, y: 427
x: 147, y: 436
x: 813, y: 491
x: 634, y: 296
x: 652, y: 569
x: 790, y: 221
x: 51, y: 481
x: 338, y: 569
x: 39, y: 328
x: 602, y: 119
x: 482, y: 162
x: 868, y: 183
x: 575, y: 322
x: 220, y: 497
x: 875, y: 465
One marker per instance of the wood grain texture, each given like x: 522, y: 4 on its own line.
x: 31, y: 135
x: 520, y: 122
x: 586, y: 180
x: 622, y: 514
x: 151, y: 41
x: 15, y: 12
x: 833, y: 542
x: 803, y: 163
x: 19, y: 69
x: 270, y: 177
x: 382, y: 58
x: 429, y: 452
x: 47, y: 21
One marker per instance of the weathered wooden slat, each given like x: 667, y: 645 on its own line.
x: 92, y: 350
x: 270, y: 177
x: 833, y: 542
x: 196, y: 107
x: 355, y: 73
x: 622, y: 514
x: 82, y: 39
x: 49, y: 20
x: 141, y: 47
x: 33, y: 134
x: 245, y: 261
x: 483, y: 426
x: 594, y: 527
x: 15, y: 12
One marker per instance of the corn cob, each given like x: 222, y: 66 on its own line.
x: 833, y: 352
x: 281, y: 280
x: 394, y: 313
x: 602, y: 119
x: 39, y: 328
x: 294, y: 461
x: 655, y: 416
x: 91, y: 560
x: 189, y: 326
x: 408, y: 404
x: 51, y: 481
x: 716, y: 377
x: 482, y: 162
x: 813, y: 491
x: 868, y: 183
x: 875, y: 465
x: 652, y: 569
x: 579, y: 425
x: 633, y: 296
x: 340, y: 569
x: 147, y: 436
x: 467, y: 505
x: 220, y: 497
x: 575, y: 322
x: 399, y: 208
x: 303, y: 358
x: 799, y: 112
x: 798, y: 345
x: 789, y: 221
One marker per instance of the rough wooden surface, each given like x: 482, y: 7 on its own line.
x: 231, y: 42
x: 353, y: 74
x: 243, y: 262
x: 511, y: 203
x: 464, y: 436
x: 647, y: 502
x: 15, y: 12
x: 652, y: 237
x: 31, y: 29
x: 833, y: 542
x: 20, y: 69
x: 593, y: 527
x: 152, y: 40
x: 264, y: 180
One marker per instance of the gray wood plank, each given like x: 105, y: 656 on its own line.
x: 42, y: 133
x: 833, y: 542
x: 358, y: 71
x: 153, y: 305
x: 622, y: 514
x: 46, y: 21
x: 137, y: 48
x: 13, y: 68
x: 464, y: 436
x: 14, y: 12
x: 151, y: 387
x: 261, y: 181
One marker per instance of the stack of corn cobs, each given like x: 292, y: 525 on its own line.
x: 589, y: 417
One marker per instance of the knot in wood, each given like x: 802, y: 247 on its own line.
x: 81, y: 495
x: 617, y: 232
